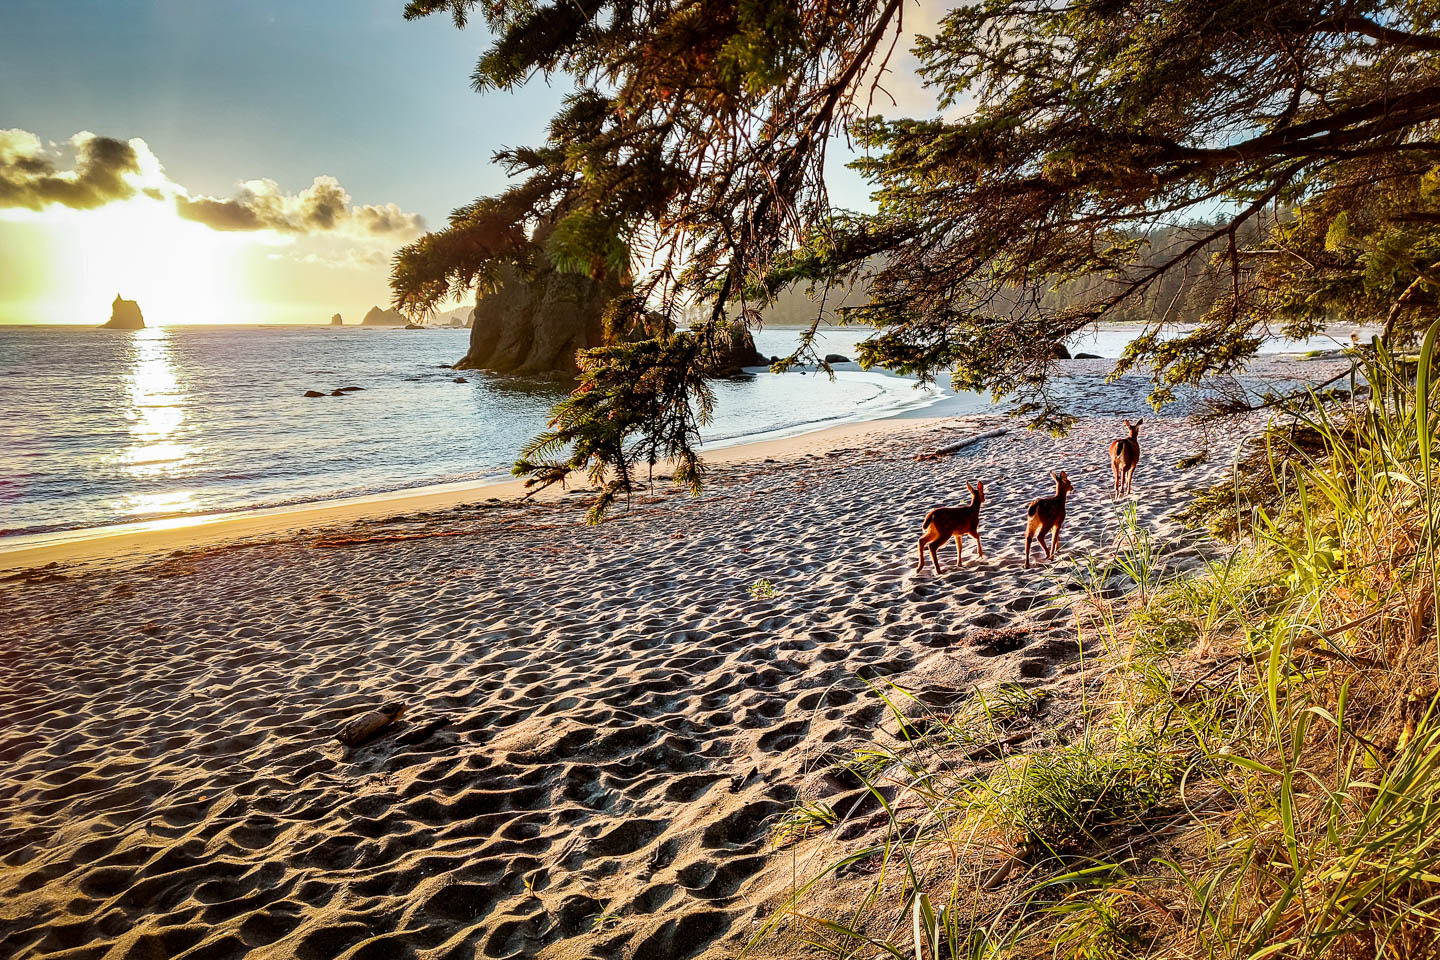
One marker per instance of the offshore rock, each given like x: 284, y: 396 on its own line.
x: 734, y: 349
x: 384, y: 318
x: 534, y: 327
x: 124, y: 315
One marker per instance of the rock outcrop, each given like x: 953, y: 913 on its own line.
x: 337, y: 321
x: 734, y: 349
x: 384, y: 318
x: 534, y: 327
x: 124, y: 315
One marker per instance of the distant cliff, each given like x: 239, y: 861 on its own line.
x: 383, y: 318
x: 124, y: 315
x: 337, y: 321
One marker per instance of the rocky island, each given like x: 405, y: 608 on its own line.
x: 533, y: 327
x: 124, y: 315
x: 337, y: 321
x: 383, y: 318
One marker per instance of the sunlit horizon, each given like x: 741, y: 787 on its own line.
x: 180, y: 272
x: 92, y: 217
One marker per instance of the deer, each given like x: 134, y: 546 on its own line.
x: 1124, y: 455
x: 1047, y: 515
x: 942, y: 523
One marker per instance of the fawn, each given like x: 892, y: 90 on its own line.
x: 942, y: 523
x: 1047, y: 514
x: 1124, y: 455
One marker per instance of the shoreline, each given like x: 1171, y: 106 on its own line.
x: 137, y: 539
x: 113, y: 540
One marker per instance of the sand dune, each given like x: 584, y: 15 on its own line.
x: 603, y: 723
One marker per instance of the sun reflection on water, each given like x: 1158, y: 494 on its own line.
x: 156, y: 414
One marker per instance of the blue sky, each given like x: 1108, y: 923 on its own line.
x: 224, y: 90
x: 226, y: 95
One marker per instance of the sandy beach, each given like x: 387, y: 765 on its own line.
x: 603, y: 723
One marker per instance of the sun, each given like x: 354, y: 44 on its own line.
x: 179, y: 271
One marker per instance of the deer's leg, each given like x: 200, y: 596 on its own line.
x: 1055, y: 541
x: 978, y: 545
x: 959, y: 553
x: 920, y: 548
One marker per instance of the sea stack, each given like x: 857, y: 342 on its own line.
x: 124, y: 315
x: 336, y: 321
x: 532, y: 326
x: 383, y: 318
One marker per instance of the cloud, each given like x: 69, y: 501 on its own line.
x: 389, y: 219
x: 348, y: 259
x: 105, y: 170
x: 322, y: 207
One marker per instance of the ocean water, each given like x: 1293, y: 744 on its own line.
x: 100, y: 427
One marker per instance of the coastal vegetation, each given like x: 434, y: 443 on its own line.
x: 1279, y: 155
x: 1249, y: 764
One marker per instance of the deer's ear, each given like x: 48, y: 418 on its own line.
x: 970, y: 486
x: 1127, y: 424
x: 1054, y: 475
x: 1138, y: 422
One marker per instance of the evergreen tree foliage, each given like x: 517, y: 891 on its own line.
x: 1259, y: 165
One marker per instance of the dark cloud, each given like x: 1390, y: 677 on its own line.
x: 325, y: 204
x: 31, y: 179
x: 219, y: 214
x: 103, y: 170
x: 322, y: 207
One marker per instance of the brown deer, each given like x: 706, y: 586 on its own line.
x: 1124, y: 455
x: 942, y: 523
x: 1047, y: 514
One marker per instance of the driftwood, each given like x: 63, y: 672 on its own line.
x: 962, y: 444
x: 364, y: 728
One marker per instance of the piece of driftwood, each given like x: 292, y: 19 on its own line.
x: 962, y: 444
x: 364, y: 728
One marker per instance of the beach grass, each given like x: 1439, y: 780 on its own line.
x: 1250, y: 766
